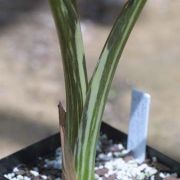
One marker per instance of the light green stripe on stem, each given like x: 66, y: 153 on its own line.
x: 72, y: 50
x: 99, y: 87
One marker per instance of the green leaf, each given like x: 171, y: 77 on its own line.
x: 99, y: 86
x: 68, y: 28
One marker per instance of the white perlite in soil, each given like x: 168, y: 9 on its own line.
x: 113, y: 162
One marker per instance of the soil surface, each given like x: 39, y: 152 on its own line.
x: 32, y: 82
x: 113, y: 162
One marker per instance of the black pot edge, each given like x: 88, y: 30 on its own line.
x: 47, y: 146
x: 30, y: 153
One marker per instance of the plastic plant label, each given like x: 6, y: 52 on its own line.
x: 138, y: 124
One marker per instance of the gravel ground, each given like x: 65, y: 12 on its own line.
x: 113, y: 162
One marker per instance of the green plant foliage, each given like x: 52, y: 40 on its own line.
x: 86, y: 103
x: 99, y: 87
x: 68, y: 28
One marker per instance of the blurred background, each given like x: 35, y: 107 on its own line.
x: 31, y: 74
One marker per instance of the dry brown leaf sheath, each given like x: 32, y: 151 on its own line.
x: 68, y: 161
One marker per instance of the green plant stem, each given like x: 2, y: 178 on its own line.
x: 99, y: 87
x: 68, y: 28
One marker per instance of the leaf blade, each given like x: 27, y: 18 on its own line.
x: 99, y: 87
x: 75, y: 74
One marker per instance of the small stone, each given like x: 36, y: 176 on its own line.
x: 96, y: 176
x: 161, y: 175
x: 58, y: 152
x: 9, y: 176
x: 36, y: 178
x: 20, y: 172
x: 149, y: 171
x: 120, y: 146
x: 128, y: 158
x: 125, y: 152
x: 34, y: 173
x: 5, y: 175
x: 170, y: 178
x: 35, y: 169
x: 111, y: 177
x: 43, y: 177
x: 152, y: 178
x: 141, y: 176
x: 15, y: 170
x: 102, y: 171
x: 154, y: 159
x: 164, y: 175
x: 26, y: 178
x: 142, y: 167
x: 103, y: 157
x: 20, y: 177
x: 117, y: 154
x: 109, y: 155
x: 116, y: 148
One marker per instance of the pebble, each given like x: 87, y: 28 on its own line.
x: 164, y: 175
x: 142, y: 167
x: 56, y: 164
x: 171, y: 177
x: 34, y: 173
x: 43, y: 177
x: 154, y: 159
x: 15, y: 170
x: 121, y: 147
x: 128, y: 158
x: 26, y: 178
x: 9, y: 176
x: 124, y: 152
x: 101, y: 171
x: 152, y: 178
x: 20, y: 177
x: 149, y: 171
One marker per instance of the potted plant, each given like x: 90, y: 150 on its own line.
x: 85, y: 99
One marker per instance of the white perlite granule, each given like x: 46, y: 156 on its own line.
x: 125, y: 170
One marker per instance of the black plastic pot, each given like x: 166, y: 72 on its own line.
x: 48, y: 145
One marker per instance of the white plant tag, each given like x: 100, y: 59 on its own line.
x: 138, y: 124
